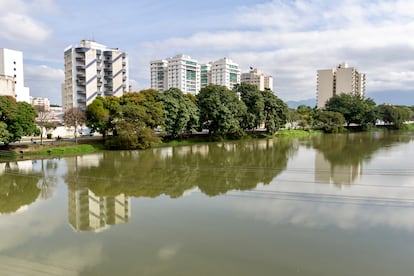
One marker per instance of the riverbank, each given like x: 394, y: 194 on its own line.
x: 85, y: 146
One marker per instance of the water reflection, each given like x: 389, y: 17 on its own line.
x: 213, y: 169
x: 339, y: 158
x: 18, y: 186
x: 88, y: 212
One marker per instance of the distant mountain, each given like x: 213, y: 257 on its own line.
x: 392, y: 97
x: 295, y: 104
x: 380, y: 97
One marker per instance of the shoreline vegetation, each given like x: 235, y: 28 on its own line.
x: 63, y: 148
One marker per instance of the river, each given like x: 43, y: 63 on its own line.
x: 324, y: 205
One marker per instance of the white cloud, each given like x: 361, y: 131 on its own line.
x: 292, y: 39
x: 18, y: 24
x: 44, y: 81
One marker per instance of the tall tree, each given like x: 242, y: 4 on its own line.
x: 180, y: 112
x: 254, y: 102
x: 74, y: 117
x: 100, y: 113
x: 395, y: 115
x: 18, y: 119
x: 136, y: 117
x: 275, y: 111
x: 43, y: 120
x: 221, y: 111
x: 355, y: 109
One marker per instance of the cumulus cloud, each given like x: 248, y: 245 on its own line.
x: 44, y: 81
x: 18, y: 23
x: 291, y: 40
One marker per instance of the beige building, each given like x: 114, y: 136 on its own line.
x: 7, y: 87
x: 256, y: 77
x: 342, y: 79
x: 41, y: 103
x: 91, y: 70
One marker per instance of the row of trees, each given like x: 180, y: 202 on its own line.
x: 132, y: 118
x: 346, y: 109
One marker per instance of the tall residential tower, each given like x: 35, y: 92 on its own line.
x: 91, y: 70
x: 342, y: 79
x: 11, y: 69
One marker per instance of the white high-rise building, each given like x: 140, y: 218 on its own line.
x: 159, y: 74
x: 256, y: 77
x: 343, y: 79
x: 225, y: 72
x: 11, y: 65
x: 180, y: 71
x: 91, y: 70
x: 205, y: 74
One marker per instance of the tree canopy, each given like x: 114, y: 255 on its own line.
x: 17, y: 119
x: 221, y: 110
x: 180, y: 112
x: 355, y: 109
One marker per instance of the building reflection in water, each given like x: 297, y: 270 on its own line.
x: 326, y: 172
x: 89, y: 212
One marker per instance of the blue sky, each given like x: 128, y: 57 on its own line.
x: 287, y: 39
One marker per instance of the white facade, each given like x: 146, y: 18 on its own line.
x: 225, y: 72
x: 343, y: 79
x: 180, y: 71
x: 11, y: 65
x: 205, y: 74
x: 257, y: 78
x: 7, y: 86
x: 91, y: 70
x: 159, y: 74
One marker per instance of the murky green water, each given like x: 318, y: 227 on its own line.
x: 327, y: 205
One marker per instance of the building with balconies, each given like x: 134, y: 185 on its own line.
x: 91, y: 70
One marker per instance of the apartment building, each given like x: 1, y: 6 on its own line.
x: 41, y: 103
x: 180, y: 71
x: 189, y: 76
x: 225, y: 72
x: 342, y: 79
x: 91, y: 70
x: 11, y: 67
x: 159, y: 75
x: 256, y: 77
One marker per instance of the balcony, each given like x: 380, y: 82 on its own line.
x: 81, y: 50
x: 80, y: 59
x: 80, y: 67
x: 80, y: 75
x: 108, y: 69
x: 108, y: 77
x: 81, y: 92
x: 81, y: 100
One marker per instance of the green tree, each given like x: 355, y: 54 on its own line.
x: 307, y: 116
x: 254, y: 102
x: 74, y: 117
x: 221, y: 111
x: 395, y: 115
x: 18, y: 119
x: 135, y: 119
x: 355, y: 109
x: 100, y: 113
x: 180, y: 112
x: 275, y: 111
x: 330, y: 122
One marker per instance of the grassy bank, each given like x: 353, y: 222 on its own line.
x: 297, y: 133
x: 56, y: 150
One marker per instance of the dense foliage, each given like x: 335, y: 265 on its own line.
x: 17, y: 119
